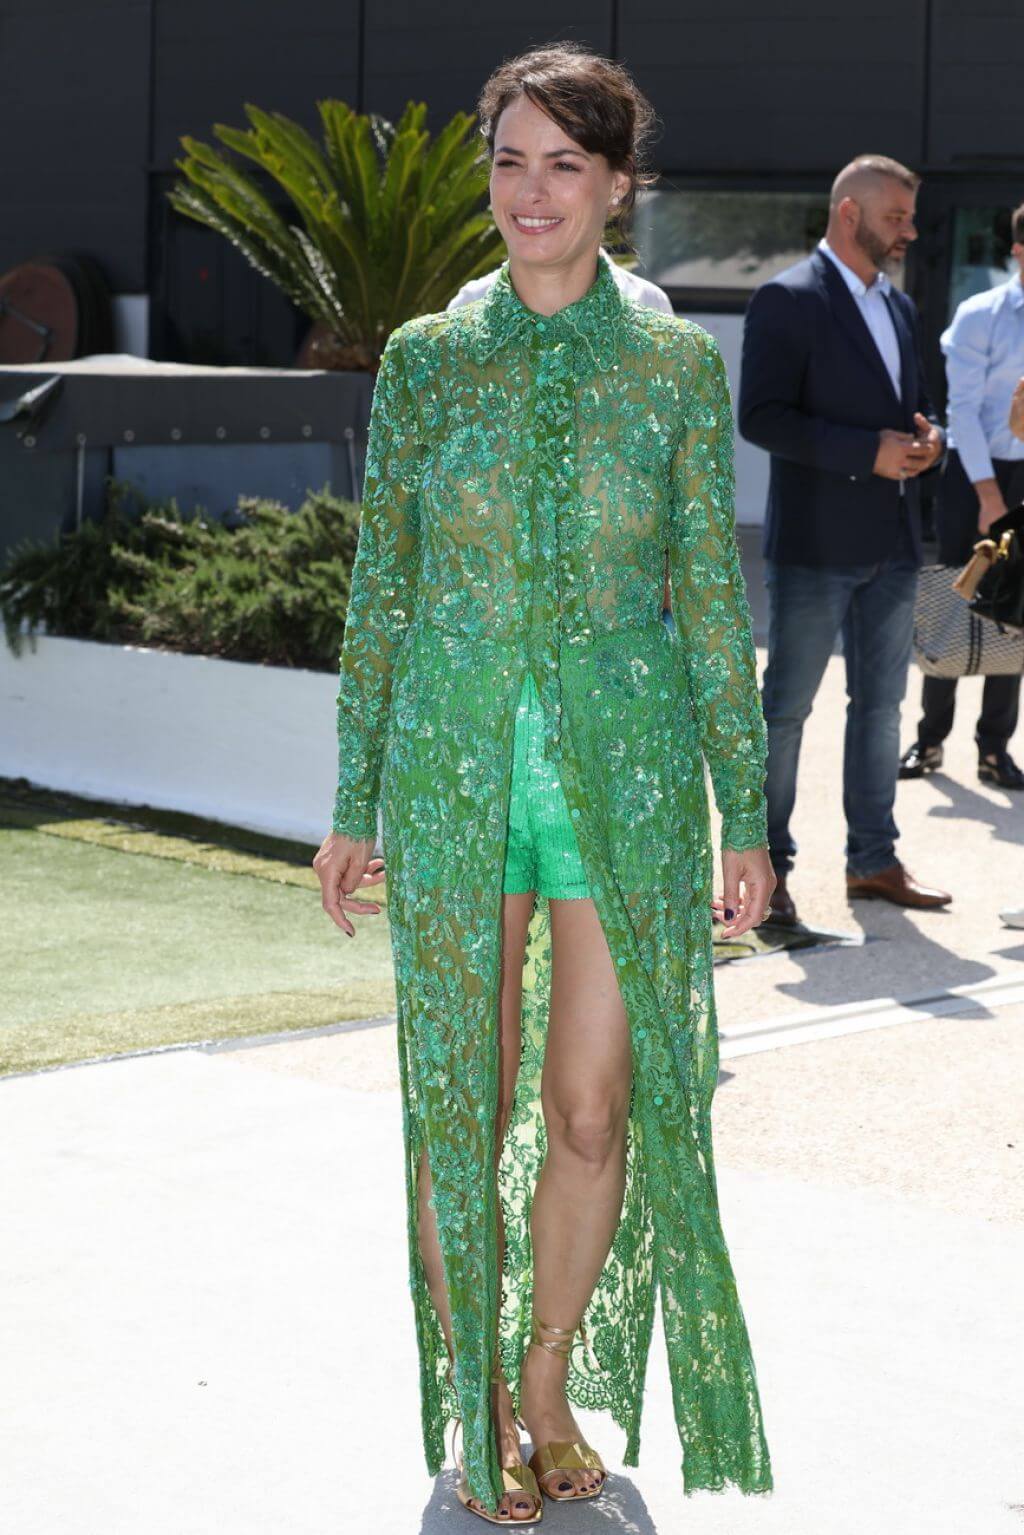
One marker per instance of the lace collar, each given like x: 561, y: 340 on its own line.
x: 593, y: 321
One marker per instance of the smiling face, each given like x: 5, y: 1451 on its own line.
x: 550, y: 198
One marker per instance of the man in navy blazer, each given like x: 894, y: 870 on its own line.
x: 833, y: 387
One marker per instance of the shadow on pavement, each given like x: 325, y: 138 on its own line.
x: 907, y: 963
x: 771, y: 938
x: 620, y: 1508
x: 1004, y: 818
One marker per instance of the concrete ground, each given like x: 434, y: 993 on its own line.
x: 204, y: 1313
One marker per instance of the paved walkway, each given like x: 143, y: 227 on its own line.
x: 204, y: 1313
x: 206, y: 1327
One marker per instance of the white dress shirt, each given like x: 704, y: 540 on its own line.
x: 871, y: 301
x: 634, y: 287
x: 984, y: 347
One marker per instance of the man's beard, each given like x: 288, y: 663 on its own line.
x: 877, y: 251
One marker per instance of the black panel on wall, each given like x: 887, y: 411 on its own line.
x: 211, y: 58
x: 744, y: 86
x: 443, y: 53
x: 73, y: 115
x: 95, y: 98
x: 209, y: 305
x: 977, y: 70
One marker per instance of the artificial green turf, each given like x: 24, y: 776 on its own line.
x: 101, y: 952
x: 161, y: 833
x: 128, y: 928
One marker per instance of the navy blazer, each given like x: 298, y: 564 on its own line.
x: 815, y: 393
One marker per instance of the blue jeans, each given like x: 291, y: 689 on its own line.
x: 872, y: 606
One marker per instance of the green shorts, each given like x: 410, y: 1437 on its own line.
x: 542, y: 853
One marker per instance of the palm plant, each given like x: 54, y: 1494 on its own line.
x: 384, y: 224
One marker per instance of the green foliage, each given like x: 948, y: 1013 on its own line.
x: 267, y: 585
x: 384, y: 224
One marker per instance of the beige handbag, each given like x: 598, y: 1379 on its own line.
x: 950, y: 639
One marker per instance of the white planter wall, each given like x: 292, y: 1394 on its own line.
x: 752, y: 464
x: 249, y: 745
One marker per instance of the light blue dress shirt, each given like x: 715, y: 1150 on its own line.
x: 984, y: 347
x: 873, y: 305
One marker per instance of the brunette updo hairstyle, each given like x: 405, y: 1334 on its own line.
x: 596, y: 102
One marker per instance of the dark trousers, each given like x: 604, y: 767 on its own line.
x: 956, y: 522
x: 872, y: 606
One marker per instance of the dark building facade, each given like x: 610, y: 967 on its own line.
x: 759, y: 106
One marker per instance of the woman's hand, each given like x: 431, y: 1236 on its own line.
x: 748, y: 880
x: 343, y: 864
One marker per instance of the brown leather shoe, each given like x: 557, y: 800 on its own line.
x: 896, y: 885
x: 782, y: 905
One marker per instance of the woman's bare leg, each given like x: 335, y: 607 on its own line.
x: 578, y: 1201
x: 516, y: 912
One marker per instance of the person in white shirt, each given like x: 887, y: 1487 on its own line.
x: 873, y: 302
x: 983, y: 478
x: 633, y: 286
x: 832, y: 386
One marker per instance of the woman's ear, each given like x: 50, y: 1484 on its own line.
x: 620, y: 186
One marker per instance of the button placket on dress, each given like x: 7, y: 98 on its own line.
x: 554, y: 489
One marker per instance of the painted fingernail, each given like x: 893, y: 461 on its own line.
x: 729, y: 914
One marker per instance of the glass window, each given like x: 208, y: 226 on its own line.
x: 981, y: 253
x: 719, y: 246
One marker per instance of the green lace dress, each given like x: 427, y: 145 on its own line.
x: 525, y: 475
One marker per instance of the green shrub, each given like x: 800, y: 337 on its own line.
x: 265, y: 585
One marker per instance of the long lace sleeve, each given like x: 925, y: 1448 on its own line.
x: 383, y: 591
x: 709, y: 602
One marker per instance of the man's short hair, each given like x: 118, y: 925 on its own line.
x: 872, y: 165
x: 1017, y: 225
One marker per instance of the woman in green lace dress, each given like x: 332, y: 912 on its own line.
x: 534, y: 737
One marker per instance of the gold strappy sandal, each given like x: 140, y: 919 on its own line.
x: 515, y: 1478
x: 563, y: 1455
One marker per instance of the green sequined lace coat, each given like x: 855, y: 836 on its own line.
x: 525, y: 476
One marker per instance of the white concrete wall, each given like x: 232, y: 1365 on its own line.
x: 248, y: 745
x: 751, y: 462
x: 131, y: 323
